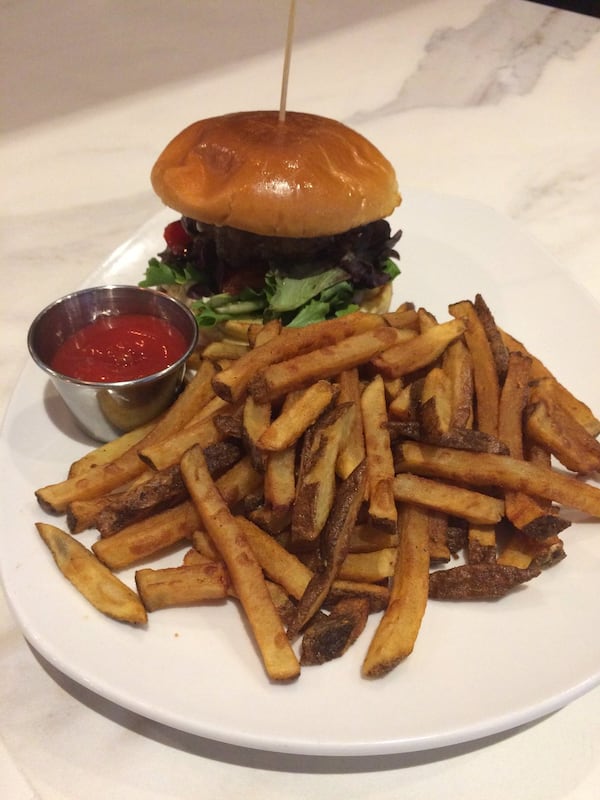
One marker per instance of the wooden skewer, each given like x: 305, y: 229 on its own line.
x: 287, y: 59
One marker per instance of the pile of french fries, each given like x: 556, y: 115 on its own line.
x: 318, y: 475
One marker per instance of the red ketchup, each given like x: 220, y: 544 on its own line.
x: 121, y: 347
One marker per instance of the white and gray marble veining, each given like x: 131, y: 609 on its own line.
x: 502, y: 52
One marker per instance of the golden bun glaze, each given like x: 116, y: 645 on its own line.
x: 304, y: 176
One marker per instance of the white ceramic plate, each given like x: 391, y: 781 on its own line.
x: 477, y: 668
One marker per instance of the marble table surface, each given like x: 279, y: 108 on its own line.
x: 496, y: 101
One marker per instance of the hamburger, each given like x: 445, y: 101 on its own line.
x: 279, y: 219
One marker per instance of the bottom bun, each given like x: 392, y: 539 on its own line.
x: 376, y: 301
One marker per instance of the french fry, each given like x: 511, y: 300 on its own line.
x: 204, y: 546
x: 561, y: 434
x: 435, y: 410
x: 329, y: 636
x: 316, y: 483
x: 439, y: 550
x: 403, y: 318
x: 297, y: 372
x: 366, y: 537
x: 485, y: 376
x: 91, y: 578
x: 147, y: 538
x: 523, y: 551
x: 540, y: 373
x: 259, y: 334
x: 214, y: 351
x: 256, y: 418
x: 175, y: 586
x: 521, y: 509
x: 371, y: 567
x: 231, y: 384
x: 458, y: 366
x: 82, y: 514
x: 397, y: 631
x: 298, y: 415
x: 162, y: 490
x: 537, y: 518
x: 477, y: 581
x: 380, y: 461
x: 280, y: 483
x: 475, y: 507
x: 405, y: 405
x: 238, y: 482
x: 109, y: 451
x: 486, y: 469
x: 335, y: 541
x: 166, y: 452
x: 513, y: 399
x: 352, y: 448
x: 532, y: 515
x: 402, y: 359
x: 481, y: 544
x: 375, y: 594
x: 279, y: 564
x: 494, y: 336
x: 246, y: 575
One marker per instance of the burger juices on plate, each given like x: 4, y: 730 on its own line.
x: 281, y: 218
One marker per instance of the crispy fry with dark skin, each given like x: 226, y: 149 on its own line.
x: 477, y: 581
x: 458, y: 438
x: 335, y: 543
x: 494, y: 336
x: 481, y: 544
x: 316, y: 482
x: 329, y: 636
x: 439, y: 552
x: 162, y: 490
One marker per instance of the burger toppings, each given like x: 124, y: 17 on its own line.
x: 226, y: 273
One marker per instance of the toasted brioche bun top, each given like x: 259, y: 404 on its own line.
x: 304, y: 176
